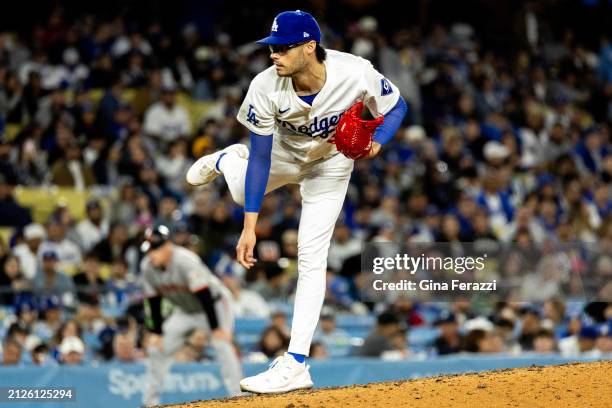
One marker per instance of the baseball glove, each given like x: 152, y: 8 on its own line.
x: 354, y: 133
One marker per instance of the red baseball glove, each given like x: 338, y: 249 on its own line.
x: 354, y: 133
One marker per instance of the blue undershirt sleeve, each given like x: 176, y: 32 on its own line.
x: 393, y: 119
x: 258, y: 171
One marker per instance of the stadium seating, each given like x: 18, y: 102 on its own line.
x: 43, y: 201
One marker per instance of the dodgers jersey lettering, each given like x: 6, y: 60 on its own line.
x: 272, y: 107
x: 185, y: 273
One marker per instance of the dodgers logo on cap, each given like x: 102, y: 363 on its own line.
x: 292, y: 27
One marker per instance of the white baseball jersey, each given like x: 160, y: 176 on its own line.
x: 185, y: 274
x: 272, y: 107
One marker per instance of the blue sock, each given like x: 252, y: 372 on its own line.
x: 300, y: 358
x: 218, y: 161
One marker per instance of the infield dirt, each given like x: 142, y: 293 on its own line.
x: 571, y: 385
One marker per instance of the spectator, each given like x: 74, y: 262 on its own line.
x: 602, y: 199
x: 12, y: 281
x: 339, y: 291
x: 603, y: 344
x: 53, y: 282
x: 115, y: 245
x: 174, y: 165
x: 181, y: 233
x: 544, y: 342
x: 11, y: 352
x: 72, y: 172
x: 124, y: 348
x: 496, y: 201
x: 90, y: 318
x: 41, y: 355
x: 273, y: 342
x: 124, y: 210
x: 71, y: 351
x: 121, y: 288
x: 400, y: 347
x: 289, y: 251
x: 278, y: 319
x: 335, y: 341
x: 166, y: 120
x: 407, y: 310
x: 168, y: 212
x: 505, y: 326
x: 318, y: 351
x: 449, y: 341
x: 381, y: 337
x: 18, y: 332
x: 94, y: 228
x: 88, y: 282
x: 273, y: 282
x: 473, y: 340
x: 110, y: 102
x: 11, y: 213
x: 69, y: 328
x: 32, y: 92
x: 579, y: 344
x: 11, y: 105
x: 34, y: 235
x: 31, y: 164
x: 245, y: 302
x: 530, y: 326
x: 342, y: 246
x: 26, y: 310
x: 555, y: 143
x: 51, y: 313
x: 67, y: 252
x: 590, y: 151
x: 524, y: 221
x: 554, y: 311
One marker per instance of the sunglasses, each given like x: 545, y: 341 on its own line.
x: 283, y: 48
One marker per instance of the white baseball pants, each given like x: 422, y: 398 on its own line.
x: 323, y: 186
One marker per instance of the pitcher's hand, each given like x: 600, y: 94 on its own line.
x: 374, y: 150
x: 245, y: 247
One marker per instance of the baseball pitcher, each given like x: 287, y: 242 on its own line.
x: 300, y: 134
x: 200, y: 302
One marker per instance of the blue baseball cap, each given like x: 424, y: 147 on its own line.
x: 25, y: 302
x: 588, y: 332
x: 292, y: 27
x: 50, y: 254
x: 50, y: 302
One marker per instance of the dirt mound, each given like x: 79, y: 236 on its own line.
x: 572, y: 385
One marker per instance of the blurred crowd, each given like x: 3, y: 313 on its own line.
x: 497, y: 146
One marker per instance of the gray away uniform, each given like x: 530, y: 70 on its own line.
x: 179, y: 282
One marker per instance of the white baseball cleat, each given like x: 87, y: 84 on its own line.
x: 204, y: 170
x: 284, y: 375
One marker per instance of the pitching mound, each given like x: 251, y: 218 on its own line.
x: 573, y: 385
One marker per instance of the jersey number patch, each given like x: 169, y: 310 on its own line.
x: 386, y: 87
x: 251, y: 117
